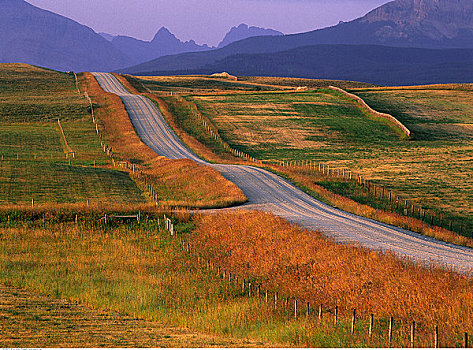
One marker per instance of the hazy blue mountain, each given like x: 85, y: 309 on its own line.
x: 243, y: 31
x: 368, y: 63
x: 164, y: 43
x: 402, y: 23
x: 35, y: 36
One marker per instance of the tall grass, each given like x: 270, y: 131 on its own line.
x: 311, y: 268
x: 139, y: 270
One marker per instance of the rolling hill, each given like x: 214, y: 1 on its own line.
x: 380, y: 65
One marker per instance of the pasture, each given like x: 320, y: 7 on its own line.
x: 33, y: 164
x: 433, y: 169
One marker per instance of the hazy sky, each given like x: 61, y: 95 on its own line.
x: 206, y: 21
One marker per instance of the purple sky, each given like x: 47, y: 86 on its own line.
x: 206, y: 21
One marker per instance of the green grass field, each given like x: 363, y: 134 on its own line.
x: 33, y: 164
x: 288, y: 126
x: 433, y: 169
x: 202, y: 84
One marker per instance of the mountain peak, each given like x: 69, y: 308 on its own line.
x: 163, y: 32
x: 436, y: 18
x: 243, y: 31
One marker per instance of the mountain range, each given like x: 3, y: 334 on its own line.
x: 164, y: 43
x: 433, y: 27
x: 396, y: 43
x: 32, y: 35
x: 35, y: 36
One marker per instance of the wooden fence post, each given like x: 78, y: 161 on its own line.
x: 320, y: 312
x: 371, y: 325
x: 413, y: 333
x: 465, y: 343
x: 391, y: 326
x: 353, y: 320
x: 308, y: 310
x: 436, y: 337
x: 336, y: 315
x: 295, y: 309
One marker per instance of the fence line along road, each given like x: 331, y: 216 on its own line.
x: 269, y: 192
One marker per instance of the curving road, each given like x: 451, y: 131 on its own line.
x: 269, y: 192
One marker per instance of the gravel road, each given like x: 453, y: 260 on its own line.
x: 269, y: 192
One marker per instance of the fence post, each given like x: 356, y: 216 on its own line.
x: 413, y: 333
x: 436, y: 337
x: 353, y: 320
x: 295, y: 309
x: 371, y: 325
x: 336, y: 315
x: 465, y: 344
x: 320, y: 312
x: 391, y: 325
x: 308, y: 310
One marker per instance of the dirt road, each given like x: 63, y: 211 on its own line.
x: 271, y: 193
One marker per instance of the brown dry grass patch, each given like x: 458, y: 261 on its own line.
x: 306, y: 265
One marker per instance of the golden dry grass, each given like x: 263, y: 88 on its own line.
x: 308, y: 266
x: 33, y: 320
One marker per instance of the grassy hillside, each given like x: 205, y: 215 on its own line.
x: 431, y: 170
x: 298, y: 125
x: 34, y: 164
x: 203, y: 84
x: 436, y: 166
